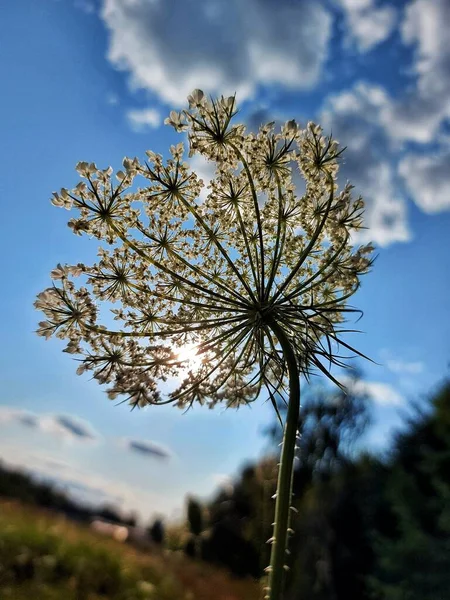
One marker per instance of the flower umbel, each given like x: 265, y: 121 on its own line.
x: 255, y: 277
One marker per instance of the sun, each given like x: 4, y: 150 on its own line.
x: 188, y: 355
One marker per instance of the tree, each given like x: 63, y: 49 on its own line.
x: 331, y: 553
x: 330, y: 423
x: 195, y: 520
x: 254, y: 279
x: 195, y: 516
x: 240, y: 521
x: 156, y: 531
x: 413, y: 553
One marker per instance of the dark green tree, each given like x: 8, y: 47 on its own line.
x: 195, y: 516
x: 413, y: 555
x: 196, y: 525
x: 157, y: 532
x: 330, y: 546
x: 240, y: 521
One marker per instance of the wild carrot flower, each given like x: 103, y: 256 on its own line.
x: 255, y: 278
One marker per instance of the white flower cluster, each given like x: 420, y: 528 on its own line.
x: 218, y: 273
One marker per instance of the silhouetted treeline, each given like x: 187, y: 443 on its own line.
x: 21, y: 486
x: 366, y: 527
x: 413, y: 551
x: 156, y: 532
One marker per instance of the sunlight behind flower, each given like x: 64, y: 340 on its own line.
x: 188, y: 354
x: 227, y: 274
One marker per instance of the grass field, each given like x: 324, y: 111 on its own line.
x: 43, y: 556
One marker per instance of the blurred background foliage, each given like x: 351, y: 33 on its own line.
x: 365, y: 526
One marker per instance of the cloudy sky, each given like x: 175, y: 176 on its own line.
x: 93, y: 80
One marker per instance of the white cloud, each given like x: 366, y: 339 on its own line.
x: 380, y: 393
x: 361, y: 118
x: 86, y: 6
x: 414, y: 118
x: 141, y: 119
x: 112, y: 99
x: 353, y: 117
x: 426, y: 25
x: 418, y: 115
x: 221, y: 46
x: 147, y: 448
x: 402, y: 366
x: 205, y: 169
x: 367, y: 24
x: 386, y: 208
x: 68, y: 427
x: 9, y: 414
x: 427, y: 179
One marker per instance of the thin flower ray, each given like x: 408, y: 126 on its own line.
x: 169, y: 271
x: 308, y: 248
x: 208, y: 230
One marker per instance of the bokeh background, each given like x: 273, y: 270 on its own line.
x: 93, y: 80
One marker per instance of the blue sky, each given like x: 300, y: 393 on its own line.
x: 94, y: 80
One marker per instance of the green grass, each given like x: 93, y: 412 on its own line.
x: 44, y: 556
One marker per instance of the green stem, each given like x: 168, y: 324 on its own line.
x: 286, y: 471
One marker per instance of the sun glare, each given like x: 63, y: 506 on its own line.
x: 188, y: 354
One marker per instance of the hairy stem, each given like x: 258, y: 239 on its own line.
x: 285, y: 474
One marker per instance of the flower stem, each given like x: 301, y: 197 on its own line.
x: 286, y: 471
